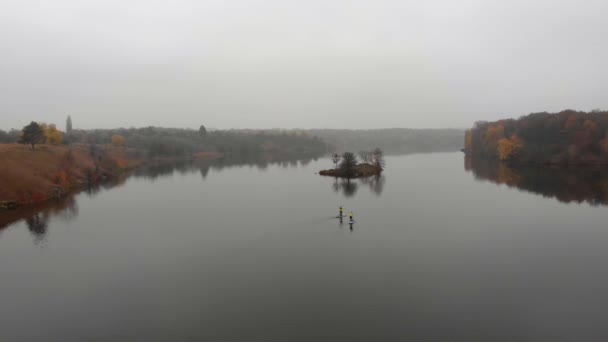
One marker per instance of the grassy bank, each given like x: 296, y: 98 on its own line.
x: 49, y: 172
x: 33, y: 176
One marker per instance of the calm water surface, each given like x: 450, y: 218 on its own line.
x: 244, y: 253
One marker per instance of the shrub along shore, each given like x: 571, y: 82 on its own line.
x: 31, y: 176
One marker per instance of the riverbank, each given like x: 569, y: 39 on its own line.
x: 361, y: 170
x: 50, y: 172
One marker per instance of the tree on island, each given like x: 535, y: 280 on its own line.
x: 335, y: 158
x: 32, y: 134
x: 378, y: 158
x: 348, y: 165
x: 364, y: 156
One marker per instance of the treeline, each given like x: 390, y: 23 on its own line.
x: 568, y: 137
x: 392, y: 141
x: 9, y: 137
x: 176, y: 142
x: 182, y: 142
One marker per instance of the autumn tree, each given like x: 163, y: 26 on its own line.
x: 32, y: 134
x: 468, y: 140
x: 118, y: 140
x: 51, y: 134
x: 493, y: 135
x: 349, y: 164
x: 508, y: 147
x: 604, y: 145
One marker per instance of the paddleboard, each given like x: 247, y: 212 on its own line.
x: 351, y: 222
x: 340, y: 216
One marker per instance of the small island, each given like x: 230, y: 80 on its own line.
x: 347, y: 165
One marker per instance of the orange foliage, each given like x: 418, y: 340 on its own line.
x: 604, y: 145
x: 572, y: 122
x: 51, y: 134
x: 33, y: 176
x: 118, y: 140
x: 495, y: 133
x: 506, y: 175
x: 61, y: 178
x: 120, y: 163
x: 590, y: 126
x: 507, y: 147
x: 468, y: 139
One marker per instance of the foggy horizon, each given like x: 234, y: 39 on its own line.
x: 286, y: 64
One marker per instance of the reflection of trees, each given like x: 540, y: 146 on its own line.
x: 349, y: 189
x: 68, y: 209
x: 204, y: 169
x: 37, y: 217
x: 37, y: 224
x: 260, y: 161
x: 580, y: 184
x: 375, y: 183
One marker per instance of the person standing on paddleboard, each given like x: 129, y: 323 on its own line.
x: 351, y: 217
x: 340, y: 216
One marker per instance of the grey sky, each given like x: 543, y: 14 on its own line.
x: 313, y: 63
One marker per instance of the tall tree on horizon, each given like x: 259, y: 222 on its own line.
x: 68, y: 125
x: 202, y: 131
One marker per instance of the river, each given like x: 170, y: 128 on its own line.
x: 253, y: 252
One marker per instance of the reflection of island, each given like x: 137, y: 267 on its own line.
x: 349, y: 187
x: 580, y: 184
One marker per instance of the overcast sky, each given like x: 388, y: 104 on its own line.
x: 302, y: 64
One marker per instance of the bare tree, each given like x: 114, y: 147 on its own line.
x: 364, y: 156
x: 335, y: 158
x: 378, y: 158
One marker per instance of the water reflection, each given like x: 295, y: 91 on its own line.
x: 580, y: 184
x: 204, y: 166
x: 375, y: 183
x: 38, y: 225
x: 38, y: 218
x: 349, y: 188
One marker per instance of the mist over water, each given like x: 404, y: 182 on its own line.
x: 253, y: 252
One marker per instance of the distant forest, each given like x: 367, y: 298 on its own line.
x: 568, y: 137
x: 392, y: 140
x: 183, y: 142
x: 158, y: 141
